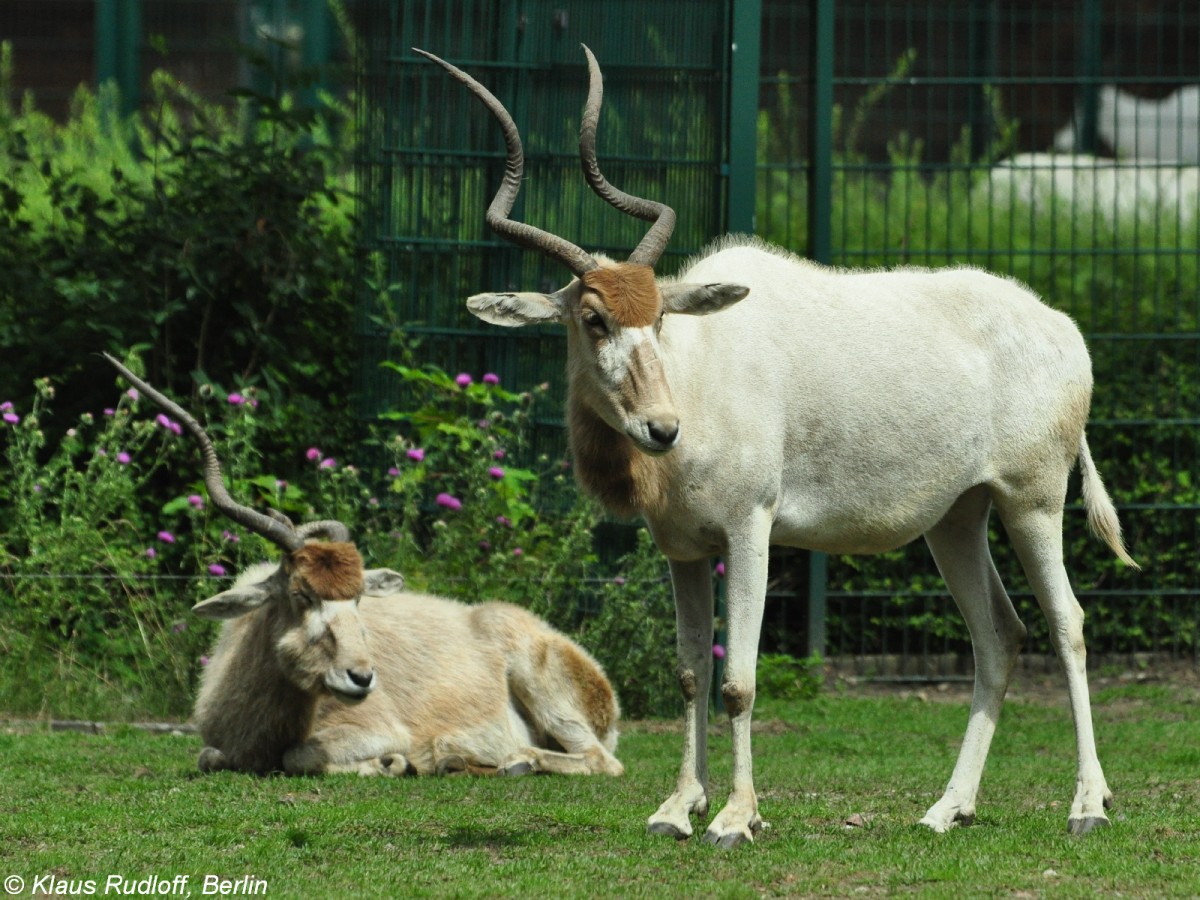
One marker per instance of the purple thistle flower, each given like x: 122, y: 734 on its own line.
x: 393, y: 472
x: 109, y: 411
x: 718, y: 651
x: 505, y: 521
x: 151, y: 553
x: 329, y: 463
x: 235, y: 399
x: 132, y: 393
x: 485, y: 546
x: 197, y: 501
x: 166, y: 537
x: 216, y: 569
x: 11, y: 418
x: 619, y: 580
x: 517, y: 551
x: 162, y: 421
x: 720, y: 570
x: 204, y: 660
x: 175, y: 427
x: 230, y: 536
x: 463, y: 379
x: 491, y: 378
x: 312, y: 454
x: 448, y: 501
x: 496, y: 472
x: 499, y: 454
x: 124, y: 458
x: 6, y: 406
x: 416, y: 454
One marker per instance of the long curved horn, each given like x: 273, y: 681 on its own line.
x: 327, y: 529
x: 575, y: 259
x: 265, y: 526
x: 654, y: 243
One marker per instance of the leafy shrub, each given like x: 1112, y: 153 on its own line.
x: 219, y: 239
x: 94, y: 621
x: 784, y: 677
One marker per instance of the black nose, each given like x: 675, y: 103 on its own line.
x: 360, y: 677
x: 663, y: 433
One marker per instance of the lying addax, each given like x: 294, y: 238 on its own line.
x: 760, y: 399
x: 323, y: 666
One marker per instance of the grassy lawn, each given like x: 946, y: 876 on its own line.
x: 127, y: 803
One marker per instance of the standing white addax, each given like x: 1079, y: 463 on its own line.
x: 837, y: 411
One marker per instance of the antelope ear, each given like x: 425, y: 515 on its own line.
x: 381, y: 582
x: 512, y: 310
x: 701, y: 299
x: 236, y: 601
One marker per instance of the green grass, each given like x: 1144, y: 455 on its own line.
x: 127, y: 803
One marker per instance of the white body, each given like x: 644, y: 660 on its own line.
x: 1166, y: 130
x: 759, y: 399
x: 1078, y: 186
x: 456, y: 687
x: 851, y: 412
x: 847, y: 412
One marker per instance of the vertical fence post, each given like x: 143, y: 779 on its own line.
x: 118, y: 43
x: 316, y: 48
x: 820, y: 235
x: 746, y: 51
x: 981, y: 55
x: 1088, y: 68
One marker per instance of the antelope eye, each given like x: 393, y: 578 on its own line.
x: 594, y: 321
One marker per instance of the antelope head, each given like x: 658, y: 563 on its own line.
x: 310, y: 598
x: 613, y: 311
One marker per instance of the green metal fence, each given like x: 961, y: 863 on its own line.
x: 877, y: 137
x: 945, y: 112
x: 861, y: 134
x: 59, y: 44
x: 435, y: 157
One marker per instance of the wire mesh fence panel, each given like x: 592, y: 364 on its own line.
x: 210, y: 46
x: 1055, y: 143
x: 433, y: 158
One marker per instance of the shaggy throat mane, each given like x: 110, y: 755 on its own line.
x: 610, y: 468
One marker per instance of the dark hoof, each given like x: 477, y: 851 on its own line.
x: 451, y: 765
x: 726, y: 841
x: 1083, y: 826
x: 521, y: 768
x: 668, y: 829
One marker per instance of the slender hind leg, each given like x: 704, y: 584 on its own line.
x: 1037, y: 537
x: 959, y: 543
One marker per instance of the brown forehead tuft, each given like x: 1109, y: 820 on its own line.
x: 629, y: 291
x: 334, y: 571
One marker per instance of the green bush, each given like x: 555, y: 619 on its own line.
x: 218, y: 238
x: 98, y: 580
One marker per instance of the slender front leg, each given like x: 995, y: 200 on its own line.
x: 692, y: 583
x: 746, y: 584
